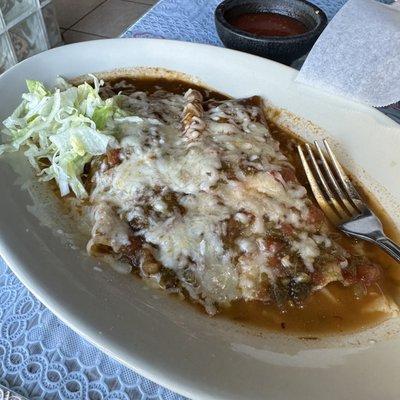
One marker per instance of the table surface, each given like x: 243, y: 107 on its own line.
x: 40, y: 357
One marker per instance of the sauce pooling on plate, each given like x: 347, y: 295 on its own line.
x: 334, y: 309
x: 268, y: 24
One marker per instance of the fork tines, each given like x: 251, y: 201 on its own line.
x: 332, y: 188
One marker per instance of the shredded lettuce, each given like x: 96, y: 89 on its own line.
x: 61, y: 130
x: 36, y: 87
x: 101, y: 115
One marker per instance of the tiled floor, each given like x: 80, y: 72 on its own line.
x: 82, y: 20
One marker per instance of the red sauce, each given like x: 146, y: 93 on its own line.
x: 268, y: 24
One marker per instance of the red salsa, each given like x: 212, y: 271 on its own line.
x: 268, y: 24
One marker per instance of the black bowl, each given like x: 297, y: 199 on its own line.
x: 284, y: 49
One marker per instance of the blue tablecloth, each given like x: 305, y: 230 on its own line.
x: 193, y: 20
x: 40, y: 357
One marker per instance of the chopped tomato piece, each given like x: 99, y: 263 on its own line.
x: 287, y: 229
x: 113, y: 157
x: 274, y: 262
x: 288, y: 174
x: 368, y: 273
x: 315, y: 215
x: 349, y: 276
x: 274, y: 245
x: 317, y: 278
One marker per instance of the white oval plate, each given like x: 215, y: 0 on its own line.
x: 165, y: 339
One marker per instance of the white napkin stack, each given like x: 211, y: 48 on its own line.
x: 358, y: 54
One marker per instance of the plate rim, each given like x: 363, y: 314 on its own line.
x: 86, y: 331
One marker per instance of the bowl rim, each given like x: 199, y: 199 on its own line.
x: 219, y: 15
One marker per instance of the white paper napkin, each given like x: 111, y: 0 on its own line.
x: 358, y: 54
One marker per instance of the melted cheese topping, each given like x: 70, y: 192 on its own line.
x: 203, y: 183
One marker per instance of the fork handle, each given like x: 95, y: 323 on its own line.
x: 390, y: 247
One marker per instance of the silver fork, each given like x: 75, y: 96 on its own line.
x: 340, y: 201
